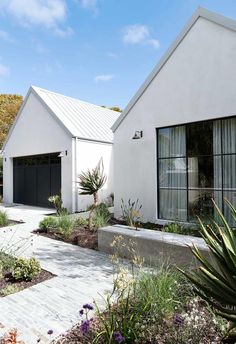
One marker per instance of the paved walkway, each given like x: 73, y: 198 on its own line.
x: 81, y: 275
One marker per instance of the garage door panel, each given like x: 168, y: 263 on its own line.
x: 43, y: 185
x: 36, y: 178
x: 55, y: 179
x: 19, y: 185
x: 30, y: 185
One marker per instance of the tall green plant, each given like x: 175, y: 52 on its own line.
x: 90, y: 183
x: 216, y: 281
x: 131, y: 212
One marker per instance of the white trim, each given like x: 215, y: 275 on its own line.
x: 200, y: 12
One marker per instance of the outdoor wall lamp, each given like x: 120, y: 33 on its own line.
x: 62, y: 154
x: 137, y: 135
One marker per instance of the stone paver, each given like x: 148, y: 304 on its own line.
x: 82, y: 275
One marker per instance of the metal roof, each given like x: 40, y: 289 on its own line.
x: 83, y: 120
x: 200, y: 12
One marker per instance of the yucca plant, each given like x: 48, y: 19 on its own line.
x: 90, y: 183
x: 215, y: 281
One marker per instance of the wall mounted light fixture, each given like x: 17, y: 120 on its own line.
x: 137, y: 135
x: 62, y: 154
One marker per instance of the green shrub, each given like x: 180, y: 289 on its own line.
x: 177, y: 228
x: 161, y: 291
x: 131, y: 212
x: 48, y: 223
x: 65, y: 226
x: 6, y: 261
x: 11, y: 289
x: 101, y: 215
x: 81, y: 222
x: 25, y: 269
x: 4, y: 220
x: 57, y: 203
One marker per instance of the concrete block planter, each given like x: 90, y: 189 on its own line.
x: 153, y: 245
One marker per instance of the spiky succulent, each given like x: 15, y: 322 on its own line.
x: 90, y: 182
x: 215, y: 280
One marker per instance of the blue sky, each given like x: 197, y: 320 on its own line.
x: 95, y: 50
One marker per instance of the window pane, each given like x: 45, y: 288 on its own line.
x: 229, y: 135
x: 171, y: 142
x: 230, y: 196
x: 229, y: 174
x: 173, y: 205
x: 217, y: 137
x: 200, y: 138
x: 200, y: 204
x: 172, y: 173
x: 204, y: 172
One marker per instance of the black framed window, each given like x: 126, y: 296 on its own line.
x: 196, y: 162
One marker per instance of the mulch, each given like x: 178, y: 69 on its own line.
x: 7, y: 281
x: 81, y: 236
x: 12, y: 223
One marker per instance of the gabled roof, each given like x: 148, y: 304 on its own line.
x: 200, y: 12
x: 80, y: 119
x: 83, y: 120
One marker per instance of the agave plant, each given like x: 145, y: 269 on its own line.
x: 90, y: 183
x: 215, y: 281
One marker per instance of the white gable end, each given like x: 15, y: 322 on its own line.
x: 36, y: 131
x: 197, y: 82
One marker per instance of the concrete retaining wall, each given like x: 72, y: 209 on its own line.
x: 153, y: 245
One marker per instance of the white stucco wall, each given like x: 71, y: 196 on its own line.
x: 88, y: 156
x: 37, y: 132
x: 198, y: 82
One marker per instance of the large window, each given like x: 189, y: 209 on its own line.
x: 196, y: 162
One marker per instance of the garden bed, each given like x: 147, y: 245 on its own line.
x: 9, y: 286
x: 160, y: 309
x: 11, y: 223
x: 81, y: 236
x: 18, y: 273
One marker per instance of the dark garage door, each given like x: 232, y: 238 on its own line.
x: 36, y: 178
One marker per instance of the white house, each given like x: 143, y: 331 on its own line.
x: 53, y: 139
x: 175, y: 143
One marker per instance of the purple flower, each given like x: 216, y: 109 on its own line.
x: 84, y: 327
x: 118, y: 337
x: 50, y: 332
x: 178, y: 320
x: 88, y: 306
x: 81, y: 312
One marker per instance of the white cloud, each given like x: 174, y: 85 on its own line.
x: 88, y: 4
x: 6, y: 36
x: 63, y: 32
x: 135, y: 34
x: 4, y: 70
x: 104, y: 77
x: 46, y: 13
x: 154, y: 42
